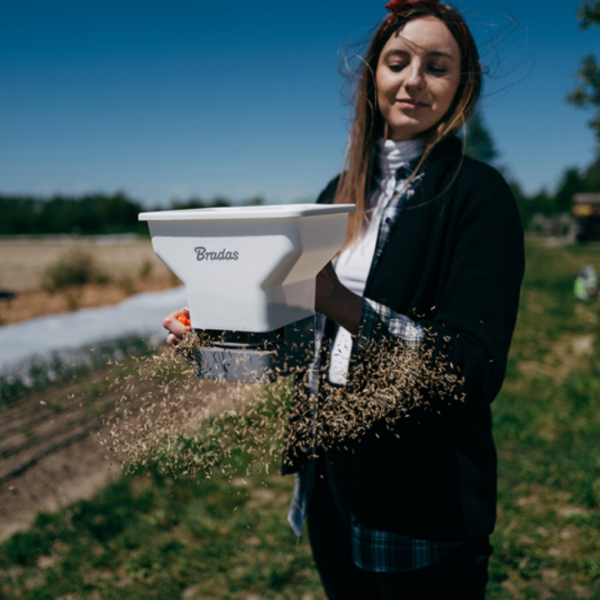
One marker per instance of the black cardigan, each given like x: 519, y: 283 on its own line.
x: 454, y: 263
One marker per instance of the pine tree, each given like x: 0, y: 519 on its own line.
x: 571, y: 183
x: 479, y: 143
x: 587, y: 92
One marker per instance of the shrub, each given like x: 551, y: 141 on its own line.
x: 75, y: 268
x: 127, y: 284
x: 146, y: 269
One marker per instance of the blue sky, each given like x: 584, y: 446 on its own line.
x: 166, y: 100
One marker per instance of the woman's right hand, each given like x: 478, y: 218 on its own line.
x: 174, y: 326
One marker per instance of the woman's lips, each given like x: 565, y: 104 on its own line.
x: 406, y: 104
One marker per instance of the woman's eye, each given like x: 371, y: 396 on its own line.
x: 396, y: 67
x: 437, y: 69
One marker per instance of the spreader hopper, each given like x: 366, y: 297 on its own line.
x: 249, y: 270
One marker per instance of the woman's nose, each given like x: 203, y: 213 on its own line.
x: 415, y: 79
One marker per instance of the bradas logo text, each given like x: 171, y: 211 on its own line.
x: 203, y: 254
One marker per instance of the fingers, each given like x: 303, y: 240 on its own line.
x: 174, y: 326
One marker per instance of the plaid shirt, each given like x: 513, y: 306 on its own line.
x: 373, y: 550
x: 375, y: 314
x: 384, y: 552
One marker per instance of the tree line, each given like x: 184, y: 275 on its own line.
x: 96, y: 214
x: 573, y: 181
x: 89, y: 214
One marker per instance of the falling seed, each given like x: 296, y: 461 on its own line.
x: 184, y: 430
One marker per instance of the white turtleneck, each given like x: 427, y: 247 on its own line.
x: 354, y: 263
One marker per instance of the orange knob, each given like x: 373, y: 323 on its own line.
x: 184, y: 319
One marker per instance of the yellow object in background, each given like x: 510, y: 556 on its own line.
x: 582, y: 210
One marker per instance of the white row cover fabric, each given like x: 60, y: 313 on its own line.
x: 140, y: 315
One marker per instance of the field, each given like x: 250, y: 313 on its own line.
x: 154, y: 536
x: 128, y: 264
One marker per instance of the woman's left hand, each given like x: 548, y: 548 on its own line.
x: 176, y: 326
x: 336, y: 301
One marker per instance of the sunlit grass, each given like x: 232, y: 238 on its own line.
x: 547, y: 427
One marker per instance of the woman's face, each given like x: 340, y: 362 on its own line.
x: 417, y: 76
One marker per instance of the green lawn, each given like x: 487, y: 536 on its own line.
x: 157, y: 537
x: 547, y: 429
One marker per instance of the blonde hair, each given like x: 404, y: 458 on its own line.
x: 368, y: 125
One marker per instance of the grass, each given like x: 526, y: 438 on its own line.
x: 547, y: 423
x: 42, y: 373
x: 158, y: 537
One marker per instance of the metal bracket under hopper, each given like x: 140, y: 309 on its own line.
x: 256, y: 357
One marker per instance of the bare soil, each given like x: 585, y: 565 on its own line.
x: 131, y: 267
x: 48, y: 456
x: 38, y: 303
x: 50, y: 450
x: 23, y: 262
x: 70, y: 473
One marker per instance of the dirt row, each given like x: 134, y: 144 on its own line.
x: 50, y: 450
x: 49, y: 455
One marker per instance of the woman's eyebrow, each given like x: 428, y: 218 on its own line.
x: 439, y: 53
x: 397, y: 52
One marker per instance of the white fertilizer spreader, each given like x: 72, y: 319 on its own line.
x: 249, y: 274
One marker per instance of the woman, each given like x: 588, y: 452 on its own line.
x: 433, y: 260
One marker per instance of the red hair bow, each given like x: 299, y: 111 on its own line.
x: 397, y: 7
